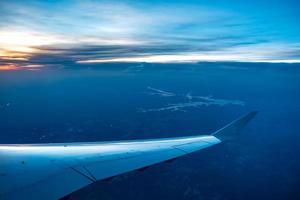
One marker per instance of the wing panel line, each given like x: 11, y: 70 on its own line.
x: 82, y: 174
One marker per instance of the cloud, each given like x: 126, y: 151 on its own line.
x: 199, y: 101
x: 135, y: 68
x: 87, y: 32
x: 159, y: 92
x: 12, y: 67
x: 8, y: 67
x: 196, y: 104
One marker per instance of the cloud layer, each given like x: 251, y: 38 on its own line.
x: 47, y: 33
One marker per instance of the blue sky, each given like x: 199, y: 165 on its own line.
x: 38, y: 33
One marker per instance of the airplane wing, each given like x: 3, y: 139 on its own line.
x: 52, y: 171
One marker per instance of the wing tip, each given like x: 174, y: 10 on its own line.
x: 232, y: 130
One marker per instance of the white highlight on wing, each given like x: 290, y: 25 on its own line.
x: 83, y: 148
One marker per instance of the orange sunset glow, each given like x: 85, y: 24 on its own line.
x: 8, y: 67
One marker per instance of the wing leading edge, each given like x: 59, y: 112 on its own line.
x: 51, y: 171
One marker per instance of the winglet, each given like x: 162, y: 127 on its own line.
x: 232, y: 130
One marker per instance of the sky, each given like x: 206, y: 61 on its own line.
x: 34, y: 34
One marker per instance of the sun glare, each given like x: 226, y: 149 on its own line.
x: 25, y: 39
x: 20, y: 45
